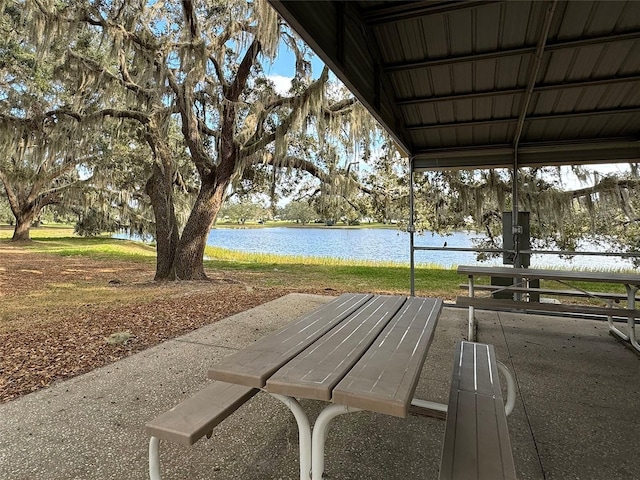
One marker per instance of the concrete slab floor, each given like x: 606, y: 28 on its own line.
x: 576, y: 415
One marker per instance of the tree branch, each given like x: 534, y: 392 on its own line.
x: 131, y: 114
x: 126, y: 80
x: 606, y: 184
x: 240, y: 82
x: 254, y: 145
x: 14, y: 203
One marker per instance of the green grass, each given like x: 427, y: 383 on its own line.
x: 440, y: 282
x: 338, y: 274
x: 60, y: 240
x: 217, y: 253
x: 274, y: 270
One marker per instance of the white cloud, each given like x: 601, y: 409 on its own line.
x: 571, y: 182
x: 282, y: 83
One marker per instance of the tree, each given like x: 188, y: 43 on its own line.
x: 299, y: 212
x: 37, y: 166
x: 388, y: 187
x: 181, y: 58
x: 242, y: 210
x: 606, y: 212
x: 6, y: 216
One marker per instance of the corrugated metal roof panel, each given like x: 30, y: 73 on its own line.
x: 629, y: 16
x: 631, y: 62
x: 461, y: 70
x: 409, y: 40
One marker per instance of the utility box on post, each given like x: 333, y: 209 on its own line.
x: 524, y: 242
x: 508, y: 258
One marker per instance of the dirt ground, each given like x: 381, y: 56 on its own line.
x: 64, y: 316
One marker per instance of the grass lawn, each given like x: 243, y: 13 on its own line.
x: 269, y: 270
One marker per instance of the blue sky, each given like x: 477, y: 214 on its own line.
x: 284, y: 66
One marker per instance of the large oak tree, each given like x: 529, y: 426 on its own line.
x: 201, y: 64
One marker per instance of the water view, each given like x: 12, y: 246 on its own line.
x: 378, y: 245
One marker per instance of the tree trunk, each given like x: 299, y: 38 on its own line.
x: 160, y: 190
x: 21, y: 232
x: 190, y: 255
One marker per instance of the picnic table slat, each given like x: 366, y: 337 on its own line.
x: 315, y: 371
x: 567, y: 275
x: 385, y: 378
x: 476, y: 374
x: 253, y: 366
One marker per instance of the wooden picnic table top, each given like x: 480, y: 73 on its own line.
x: 568, y: 275
x: 363, y: 351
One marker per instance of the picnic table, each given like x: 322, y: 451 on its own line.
x: 360, y: 352
x: 521, y: 278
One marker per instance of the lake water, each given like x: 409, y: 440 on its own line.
x: 377, y: 244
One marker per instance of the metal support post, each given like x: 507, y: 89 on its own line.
x: 320, y: 430
x: 471, y: 336
x: 304, y: 433
x: 411, y: 229
x: 631, y: 321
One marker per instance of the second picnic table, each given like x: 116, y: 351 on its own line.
x: 521, y: 278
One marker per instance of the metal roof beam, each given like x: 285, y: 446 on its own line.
x: 528, y: 50
x: 518, y: 91
x: 533, y: 74
x: 530, y: 118
x: 460, y: 96
x: 408, y: 11
x: 586, y: 152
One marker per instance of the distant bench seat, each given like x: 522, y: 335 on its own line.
x: 616, y: 297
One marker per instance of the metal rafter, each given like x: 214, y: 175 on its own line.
x: 519, y: 91
x: 592, y: 151
x: 528, y: 50
x: 412, y: 10
x: 533, y: 75
x: 530, y: 118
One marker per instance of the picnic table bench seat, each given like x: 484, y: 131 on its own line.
x: 476, y: 444
x: 195, y: 417
x: 616, y: 297
x: 507, y: 304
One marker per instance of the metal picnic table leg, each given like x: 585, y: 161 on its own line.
x: 312, y: 446
x: 631, y: 321
x: 320, y: 430
x: 154, y: 459
x: 472, y: 318
x: 613, y: 328
x: 304, y: 433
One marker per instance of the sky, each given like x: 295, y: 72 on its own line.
x: 284, y: 66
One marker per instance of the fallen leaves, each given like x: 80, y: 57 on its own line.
x: 70, y: 341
